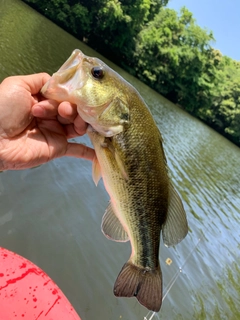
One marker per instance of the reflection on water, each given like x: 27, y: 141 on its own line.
x: 52, y: 214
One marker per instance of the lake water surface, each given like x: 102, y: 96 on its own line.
x: 52, y: 214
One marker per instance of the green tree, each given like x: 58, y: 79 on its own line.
x: 110, y: 26
x: 224, y: 113
x: 71, y: 15
x: 179, y: 51
x: 117, y: 23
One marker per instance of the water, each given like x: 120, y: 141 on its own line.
x: 52, y: 214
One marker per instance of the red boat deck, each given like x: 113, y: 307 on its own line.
x: 27, y: 292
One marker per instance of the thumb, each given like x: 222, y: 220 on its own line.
x: 34, y: 82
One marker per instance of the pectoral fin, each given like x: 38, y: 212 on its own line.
x: 120, y: 163
x: 112, y: 227
x: 175, y: 227
x: 121, y: 166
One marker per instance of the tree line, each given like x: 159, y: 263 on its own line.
x: 163, y: 48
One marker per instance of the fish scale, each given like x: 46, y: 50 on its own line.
x: 131, y: 160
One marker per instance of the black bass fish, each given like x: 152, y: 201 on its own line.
x: 130, y: 158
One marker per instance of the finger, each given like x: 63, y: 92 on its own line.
x: 71, y: 132
x: 45, y: 109
x: 67, y: 111
x: 35, y: 82
x: 80, y: 125
x: 80, y: 151
x: 63, y: 120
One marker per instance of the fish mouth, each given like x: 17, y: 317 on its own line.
x: 66, y: 79
x: 74, y: 60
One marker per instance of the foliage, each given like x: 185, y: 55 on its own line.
x: 111, y: 24
x: 180, y: 53
x: 165, y: 49
x: 224, y: 112
x: 69, y: 14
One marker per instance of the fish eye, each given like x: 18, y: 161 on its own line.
x: 97, y: 72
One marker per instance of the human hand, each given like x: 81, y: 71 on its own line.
x: 34, y: 131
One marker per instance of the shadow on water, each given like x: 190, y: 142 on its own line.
x: 52, y: 214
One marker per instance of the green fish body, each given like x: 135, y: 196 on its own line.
x: 130, y: 158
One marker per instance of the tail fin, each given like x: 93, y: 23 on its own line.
x: 144, y: 284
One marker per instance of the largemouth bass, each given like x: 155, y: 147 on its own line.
x: 130, y: 158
